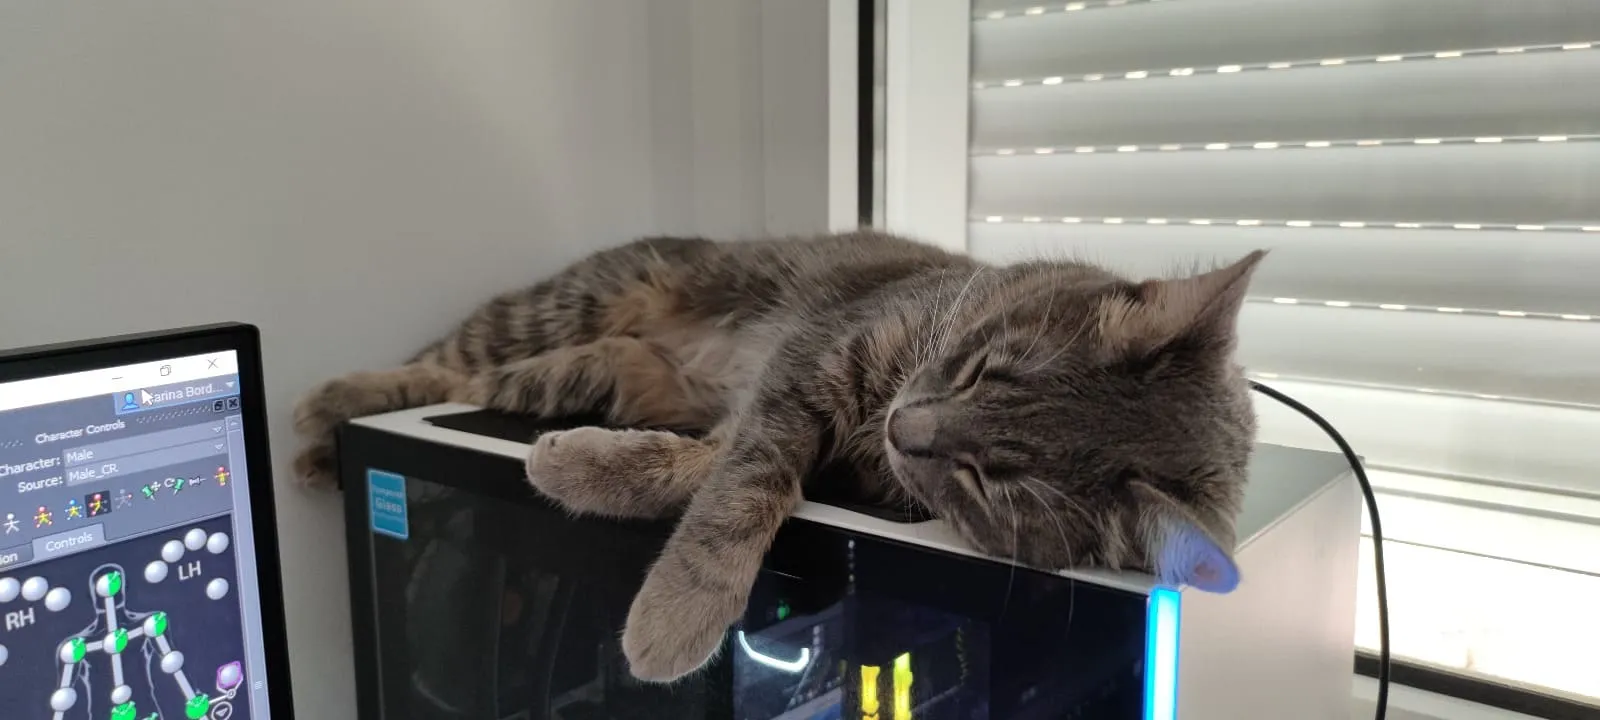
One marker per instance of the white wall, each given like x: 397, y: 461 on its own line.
x: 354, y: 175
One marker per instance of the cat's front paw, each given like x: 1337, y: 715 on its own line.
x: 674, y: 628
x: 565, y: 467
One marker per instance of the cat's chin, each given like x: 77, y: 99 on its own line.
x: 904, y: 468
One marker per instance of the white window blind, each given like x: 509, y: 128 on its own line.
x: 1426, y: 173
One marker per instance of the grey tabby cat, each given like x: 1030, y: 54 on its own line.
x: 1052, y: 412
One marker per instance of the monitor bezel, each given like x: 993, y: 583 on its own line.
x: 245, y: 341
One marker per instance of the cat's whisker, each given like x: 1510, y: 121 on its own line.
x: 1039, y: 332
x: 1057, y: 491
x: 927, y: 342
x: 1005, y: 327
x: 1065, y: 346
x: 955, y: 307
x: 1054, y: 515
x: 1016, y: 535
x: 1042, y: 364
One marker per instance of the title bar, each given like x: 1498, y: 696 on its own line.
x: 110, y: 381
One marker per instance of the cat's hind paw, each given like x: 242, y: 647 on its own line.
x: 316, y: 416
x: 316, y: 467
x: 320, y: 412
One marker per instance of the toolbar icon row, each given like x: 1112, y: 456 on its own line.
x: 104, y: 502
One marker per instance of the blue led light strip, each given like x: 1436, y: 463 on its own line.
x: 1161, y: 654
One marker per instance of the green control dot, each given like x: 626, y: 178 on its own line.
x: 119, y: 641
x: 783, y: 610
x: 197, y: 707
x: 157, y: 624
x: 125, y: 711
x: 79, y: 649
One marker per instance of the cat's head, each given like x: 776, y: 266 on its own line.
x: 1079, y: 419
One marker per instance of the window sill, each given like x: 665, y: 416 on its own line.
x: 1547, y: 528
x: 1486, y: 580
x: 1407, y: 703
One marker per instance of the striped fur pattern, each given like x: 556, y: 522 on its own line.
x: 1052, y: 412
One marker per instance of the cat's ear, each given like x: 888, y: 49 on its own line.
x: 1202, y: 309
x: 1182, y: 549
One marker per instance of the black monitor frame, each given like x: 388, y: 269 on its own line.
x: 244, y: 340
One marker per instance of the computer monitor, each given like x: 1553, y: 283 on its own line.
x: 139, y: 574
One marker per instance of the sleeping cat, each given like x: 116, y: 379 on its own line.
x: 1051, y: 412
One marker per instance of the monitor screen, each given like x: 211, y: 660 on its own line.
x: 129, y: 579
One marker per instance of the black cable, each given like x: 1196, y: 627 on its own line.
x: 1377, y: 536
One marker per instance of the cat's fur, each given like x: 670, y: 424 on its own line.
x: 1052, y: 412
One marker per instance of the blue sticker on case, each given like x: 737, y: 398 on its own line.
x: 387, y: 493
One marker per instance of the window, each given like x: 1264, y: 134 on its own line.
x: 1427, y: 175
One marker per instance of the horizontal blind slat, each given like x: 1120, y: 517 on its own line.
x: 1182, y: 33
x: 1547, y: 184
x: 1531, y: 444
x: 1531, y: 94
x: 1546, y: 360
x: 984, y: 9
x: 1538, y: 272
x: 1543, y: 360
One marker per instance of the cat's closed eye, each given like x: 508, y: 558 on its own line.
x: 969, y: 375
x: 970, y: 478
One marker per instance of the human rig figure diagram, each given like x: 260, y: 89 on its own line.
x: 133, y: 643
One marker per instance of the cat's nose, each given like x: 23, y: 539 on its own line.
x: 911, y: 430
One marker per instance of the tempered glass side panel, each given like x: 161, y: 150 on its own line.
x: 489, y: 604
x: 888, y: 630
x: 508, y: 610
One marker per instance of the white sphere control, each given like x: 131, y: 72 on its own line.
x: 121, y: 694
x: 172, y: 551
x: 34, y: 588
x: 195, y: 539
x: 217, y: 589
x: 9, y: 589
x: 108, y: 584
x: 62, y: 700
x: 3, y: 655
x: 217, y: 543
x: 57, y: 599
x: 229, y: 675
x: 155, y: 572
x: 172, y: 662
